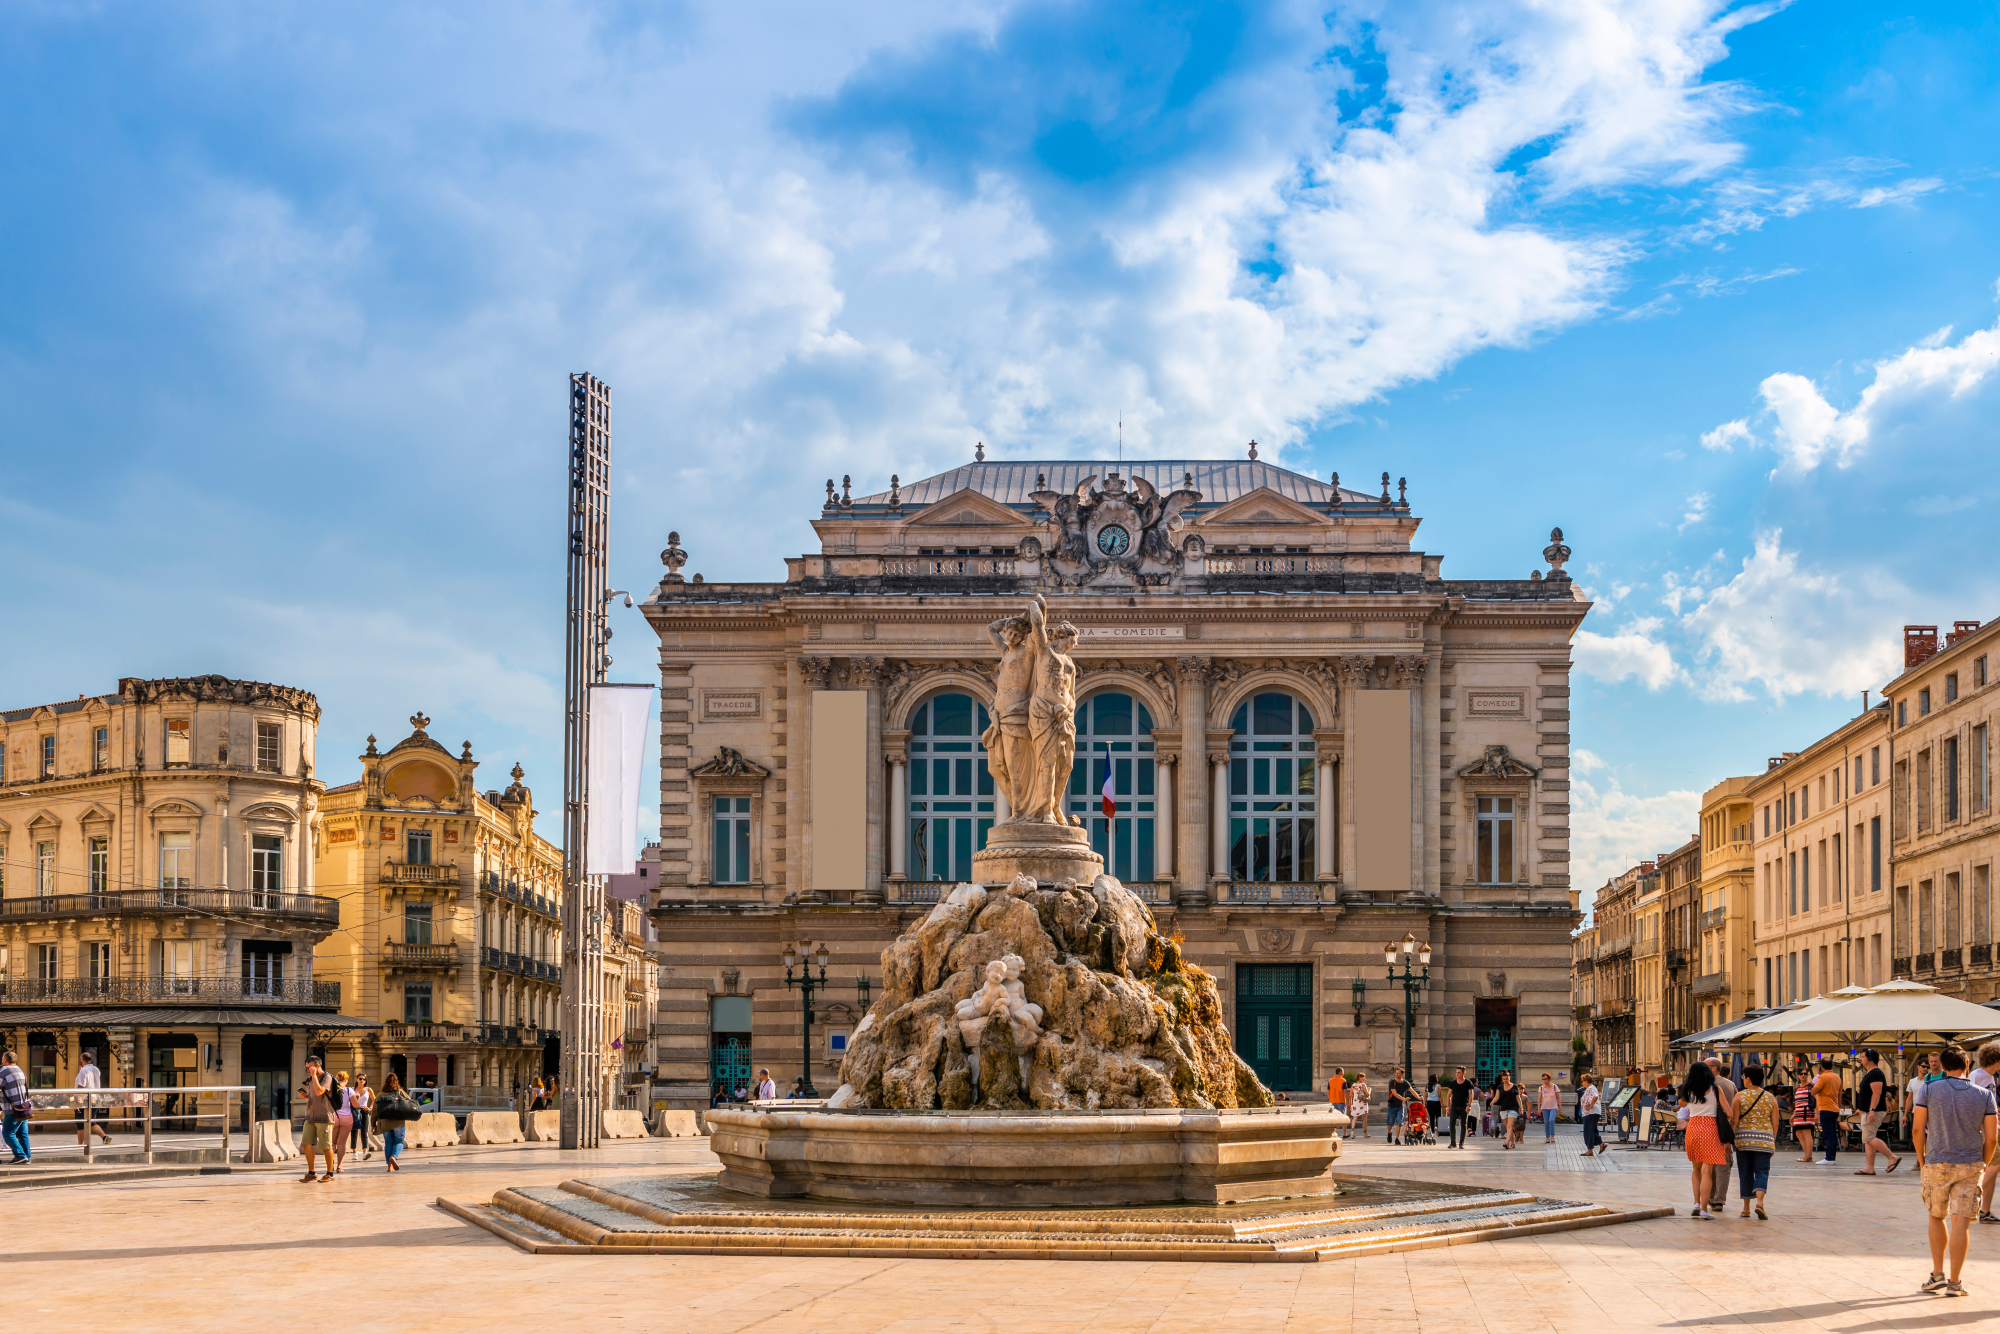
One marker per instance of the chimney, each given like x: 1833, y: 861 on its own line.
x: 1959, y: 630
x: 1919, y: 644
x: 1645, y: 868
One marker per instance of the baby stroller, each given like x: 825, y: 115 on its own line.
x: 1417, y: 1125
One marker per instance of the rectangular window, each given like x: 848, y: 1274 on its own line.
x: 1950, y: 686
x: 269, y: 736
x: 176, y: 863
x: 1770, y: 998
x: 1923, y: 781
x: 1982, y: 905
x: 1926, y: 918
x: 1767, y: 819
x: 1838, y: 882
x: 416, y: 1002
x: 100, y: 749
x: 48, y: 963
x: 417, y: 847
x: 1979, y: 782
x: 1979, y: 670
x: 48, y: 757
x: 1875, y: 854
x: 1805, y: 974
x: 1950, y: 776
x: 97, y: 964
x: 3, y: 762
x: 100, y: 865
x: 1924, y: 702
x: 1954, y: 922
x: 1496, y: 841
x: 1902, y: 713
x: 732, y: 840
x: 1874, y: 765
x: 1792, y: 880
x: 1901, y: 922
x: 180, y: 741
x: 1858, y: 784
x: 263, y: 972
x: 267, y: 869
x: 1805, y: 880
x: 45, y: 868
x: 417, y: 923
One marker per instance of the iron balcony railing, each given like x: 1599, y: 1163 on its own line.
x: 1646, y: 949
x: 1982, y: 956
x: 1710, y: 983
x: 433, y: 953
x: 151, y: 902
x: 509, y: 962
x: 1951, y: 957
x: 420, y: 873
x: 1713, y: 918
x: 491, y: 883
x: 1927, y: 963
x: 169, y: 991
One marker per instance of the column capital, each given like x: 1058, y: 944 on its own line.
x: 1193, y: 669
x: 815, y: 670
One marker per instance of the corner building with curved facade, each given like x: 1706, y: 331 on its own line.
x: 1314, y: 745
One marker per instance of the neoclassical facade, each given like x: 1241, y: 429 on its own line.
x: 1295, y: 738
x: 157, y: 897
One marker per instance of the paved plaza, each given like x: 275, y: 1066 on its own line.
x: 373, y: 1252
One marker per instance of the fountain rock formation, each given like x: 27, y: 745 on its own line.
x: 1055, y: 997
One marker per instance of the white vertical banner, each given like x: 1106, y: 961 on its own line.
x: 616, y: 775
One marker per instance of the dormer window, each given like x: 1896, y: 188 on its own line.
x: 180, y: 741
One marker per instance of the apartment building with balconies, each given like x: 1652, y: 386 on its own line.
x: 1721, y: 965
x: 1680, y: 915
x: 1613, y: 1016
x: 1945, y: 839
x: 157, y: 897
x: 451, y: 910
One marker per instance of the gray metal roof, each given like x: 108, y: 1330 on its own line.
x: 1011, y: 481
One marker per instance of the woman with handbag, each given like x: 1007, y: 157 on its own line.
x: 1756, y: 1122
x: 394, y: 1111
x: 1704, y: 1102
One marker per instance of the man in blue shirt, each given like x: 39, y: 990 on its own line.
x: 1954, y: 1130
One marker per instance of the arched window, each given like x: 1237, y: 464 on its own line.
x: 951, y: 791
x: 1114, y: 737
x: 1272, y: 767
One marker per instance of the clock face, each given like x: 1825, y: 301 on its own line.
x: 1113, y: 540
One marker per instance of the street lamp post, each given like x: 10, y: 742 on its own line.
x: 1413, y: 982
x: 807, y: 985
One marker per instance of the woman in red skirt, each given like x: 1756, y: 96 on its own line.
x: 1704, y: 1144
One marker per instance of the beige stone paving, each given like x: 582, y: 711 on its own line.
x: 1841, y: 1253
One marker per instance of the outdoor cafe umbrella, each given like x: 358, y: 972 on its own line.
x: 1901, y: 1012
x: 1776, y: 1030
x: 1709, y: 1037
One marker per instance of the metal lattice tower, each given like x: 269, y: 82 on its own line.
x: 583, y: 666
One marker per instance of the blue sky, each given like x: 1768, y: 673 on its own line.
x: 288, y: 296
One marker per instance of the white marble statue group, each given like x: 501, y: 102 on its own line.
x: 1032, y: 740
x: 1001, y: 998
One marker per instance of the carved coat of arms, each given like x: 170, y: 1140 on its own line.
x: 1113, y: 537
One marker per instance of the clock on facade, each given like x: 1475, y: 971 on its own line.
x: 1113, y: 540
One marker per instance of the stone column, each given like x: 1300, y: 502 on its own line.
x: 899, y: 803
x: 1218, y: 766
x: 1192, y: 796
x: 1164, y: 806
x: 1353, y: 672
x: 867, y: 674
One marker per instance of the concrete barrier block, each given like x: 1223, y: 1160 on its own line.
x: 432, y: 1130
x: 676, y: 1125
x: 273, y: 1143
x: 625, y: 1123
x: 492, y: 1128
x: 545, y: 1126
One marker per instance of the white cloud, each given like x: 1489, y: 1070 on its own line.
x: 1632, y: 652
x: 1726, y: 436
x: 1809, y: 430
x: 1585, y: 761
x: 1792, y: 629
x: 1611, y: 829
x: 1900, y: 193
x: 1697, y: 510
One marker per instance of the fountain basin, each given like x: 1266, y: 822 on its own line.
x: 1013, y: 1159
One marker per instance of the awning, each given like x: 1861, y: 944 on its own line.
x: 170, y: 1016
x: 1708, y: 1037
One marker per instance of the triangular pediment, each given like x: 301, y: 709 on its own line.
x: 1498, y: 763
x: 1261, y: 506
x: 966, y: 508
x: 269, y: 811
x: 173, y: 807
x: 94, y: 814
x: 44, y: 819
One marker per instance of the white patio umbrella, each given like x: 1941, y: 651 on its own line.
x: 1900, y: 1012
x: 1775, y: 1032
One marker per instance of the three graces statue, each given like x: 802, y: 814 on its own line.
x: 1032, y: 741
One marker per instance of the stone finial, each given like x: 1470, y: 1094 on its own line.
x: 465, y: 751
x: 1555, y: 553
x: 419, y: 722
x: 895, y: 492
x: 1386, y: 502
x: 1187, y: 479
x: 831, y: 502
x: 1041, y: 481
x: 846, y: 501
x: 673, y: 558
x: 1402, y: 493
x: 371, y: 745
x: 517, y: 773
x: 1253, y: 451
x: 979, y: 452
x: 1334, y: 502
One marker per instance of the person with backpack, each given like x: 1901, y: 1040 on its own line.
x: 14, y: 1096
x: 318, y: 1133
x: 394, y: 1111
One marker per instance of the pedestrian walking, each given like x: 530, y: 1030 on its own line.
x: 1399, y: 1106
x: 316, y: 1092
x: 19, y: 1108
x: 1874, y: 1103
x: 767, y: 1088
x: 1459, y: 1091
x: 1507, y: 1101
x: 1987, y: 1076
x: 1756, y: 1126
x: 1433, y: 1101
x: 1826, y: 1102
x: 1548, y: 1101
x: 1336, y: 1090
x: 1590, y: 1111
x: 1927, y: 1069
x: 1726, y: 1131
x: 362, y: 1101
x: 397, y: 1101
x: 93, y: 1114
x: 1953, y: 1129
x: 1703, y: 1102
x: 1358, y: 1094
x: 1804, y: 1119
x: 343, y: 1120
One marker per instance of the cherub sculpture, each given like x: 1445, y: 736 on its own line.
x: 1000, y: 997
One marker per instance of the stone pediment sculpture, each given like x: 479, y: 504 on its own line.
x: 1498, y: 763
x: 1115, y: 537
x: 730, y: 763
x: 1056, y: 997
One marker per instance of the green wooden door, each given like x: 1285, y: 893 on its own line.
x: 1274, y: 1023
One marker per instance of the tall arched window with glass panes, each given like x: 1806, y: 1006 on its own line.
x: 1272, y: 791
x: 1114, y: 739
x: 951, y: 790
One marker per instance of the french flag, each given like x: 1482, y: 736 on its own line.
x: 1110, y: 801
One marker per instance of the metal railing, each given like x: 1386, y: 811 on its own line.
x: 427, y: 954
x: 420, y: 873
x: 1614, y: 946
x: 1927, y: 963
x: 169, y: 991
x: 521, y: 964
x: 149, y: 902
x: 1272, y: 564
x: 950, y: 565
x: 1982, y: 956
x: 1646, y: 949
x: 1951, y: 958
x: 1246, y: 891
x: 1710, y: 983
x: 119, y: 1107
x: 1714, y: 917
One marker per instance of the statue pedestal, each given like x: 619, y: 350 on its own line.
x: 1046, y: 852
